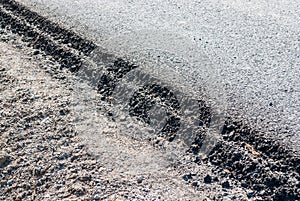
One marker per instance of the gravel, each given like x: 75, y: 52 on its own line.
x: 41, y: 158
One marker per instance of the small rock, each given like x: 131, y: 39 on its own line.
x: 216, y: 179
x: 187, y: 177
x: 140, y: 180
x: 62, y: 112
x: 38, y: 171
x: 250, y: 194
x: 97, y: 197
x: 4, y: 158
x: 85, y: 178
x: 226, y: 184
x: 244, y: 185
x: 195, y: 184
x: 10, y: 182
x: 98, y: 181
x: 77, y: 190
x: 36, y: 52
x: 207, y: 179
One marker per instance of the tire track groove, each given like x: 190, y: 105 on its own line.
x: 58, y: 33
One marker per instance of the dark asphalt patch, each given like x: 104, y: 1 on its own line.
x: 259, y: 163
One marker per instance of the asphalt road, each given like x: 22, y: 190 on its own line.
x: 245, y: 53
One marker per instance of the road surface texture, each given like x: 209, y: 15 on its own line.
x: 254, y: 45
x: 173, y: 100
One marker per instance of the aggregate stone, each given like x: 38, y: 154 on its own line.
x: 226, y: 184
x: 140, y: 180
x: 208, y: 179
x: 30, y: 142
x: 4, y: 158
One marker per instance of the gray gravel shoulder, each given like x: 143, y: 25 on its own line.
x: 41, y: 158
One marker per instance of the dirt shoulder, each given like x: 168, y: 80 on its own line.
x: 41, y: 157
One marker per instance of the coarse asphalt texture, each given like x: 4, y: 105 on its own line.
x: 253, y: 47
x: 249, y: 151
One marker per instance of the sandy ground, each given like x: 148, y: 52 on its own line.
x: 41, y: 159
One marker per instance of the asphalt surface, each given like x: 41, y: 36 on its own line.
x: 207, y: 79
x: 244, y: 52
